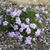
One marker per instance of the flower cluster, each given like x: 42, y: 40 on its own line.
x: 22, y: 24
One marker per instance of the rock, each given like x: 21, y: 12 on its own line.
x: 0, y: 48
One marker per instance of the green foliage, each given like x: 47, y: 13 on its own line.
x: 28, y: 14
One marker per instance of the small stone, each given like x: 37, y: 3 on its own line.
x: 0, y: 48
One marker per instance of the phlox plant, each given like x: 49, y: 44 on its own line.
x: 23, y: 24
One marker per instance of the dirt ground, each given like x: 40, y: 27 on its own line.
x: 32, y: 2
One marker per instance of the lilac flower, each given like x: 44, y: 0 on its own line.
x: 0, y: 19
x: 29, y: 6
x: 11, y: 34
x: 17, y: 34
x: 20, y: 37
x: 8, y: 10
x: 15, y: 27
x: 19, y: 12
x: 37, y: 15
x: 28, y: 40
x: 34, y: 39
x: 40, y: 21
x: 21, y: 29
x: 13, y: 14
x: 37, y: 33
x: 18, y: 21
x: 33, y: 25
x: 28, y: 30
x: 27, y: 26
x: 23, y: 25
x: 27, y: 20
x: 37, y: 8
x: 5, y: 23
x: 24, y: 9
